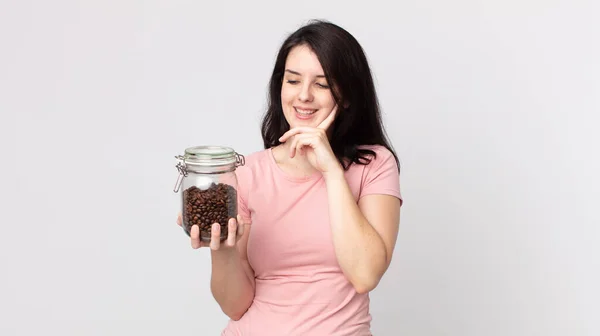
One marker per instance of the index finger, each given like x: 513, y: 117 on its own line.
x: 329, y: 120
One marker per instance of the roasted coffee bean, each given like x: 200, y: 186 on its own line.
x: 216, y: 204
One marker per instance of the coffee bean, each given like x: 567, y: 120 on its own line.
x: 216, y: 204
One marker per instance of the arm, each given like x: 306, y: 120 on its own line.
x: 232, y: 282
x: 364, y: 234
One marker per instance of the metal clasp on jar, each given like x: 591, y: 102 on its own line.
x: 182, y: 173
x: 240, y: 160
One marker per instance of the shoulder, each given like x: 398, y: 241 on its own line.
x: 381, y: 175
x: 250, y: 171
x: 253, y: 163
x: 381, y: 156
x: 254, y: 158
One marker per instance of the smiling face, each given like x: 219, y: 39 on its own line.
x: 306, y: 97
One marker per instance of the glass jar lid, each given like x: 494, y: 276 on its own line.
x: 210, y: 156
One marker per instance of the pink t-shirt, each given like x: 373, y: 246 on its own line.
x: 300, y: 287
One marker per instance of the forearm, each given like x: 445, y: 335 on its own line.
x: 360, y: 250
x: 231, y: 285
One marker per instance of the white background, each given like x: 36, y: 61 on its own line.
x: 492, y: 106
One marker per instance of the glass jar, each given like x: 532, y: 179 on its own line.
x: 208, y: 185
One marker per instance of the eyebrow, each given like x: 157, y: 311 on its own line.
x: 299, y: 74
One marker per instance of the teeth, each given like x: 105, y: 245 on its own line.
x: 306, y: 112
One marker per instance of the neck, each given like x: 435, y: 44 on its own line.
x: 298, y: 165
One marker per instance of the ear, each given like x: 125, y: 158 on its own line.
x: 343, y: 103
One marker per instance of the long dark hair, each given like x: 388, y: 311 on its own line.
x: 347, y: 71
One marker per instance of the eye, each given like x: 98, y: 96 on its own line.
x: 293, y: 82
x: 323, y: 86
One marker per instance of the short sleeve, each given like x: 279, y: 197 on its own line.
x: 381, y: 175
x: 243, y: 176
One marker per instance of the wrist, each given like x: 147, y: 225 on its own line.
x: 333, y: 174
x: 224, y: 253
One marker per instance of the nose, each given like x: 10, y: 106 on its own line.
x: 306, y: 94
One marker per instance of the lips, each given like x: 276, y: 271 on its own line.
x: 304, y: 114
x: 304, y: 111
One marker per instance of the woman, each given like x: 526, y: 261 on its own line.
x: 319, y: 207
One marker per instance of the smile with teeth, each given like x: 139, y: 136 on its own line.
x: 305, y: 112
